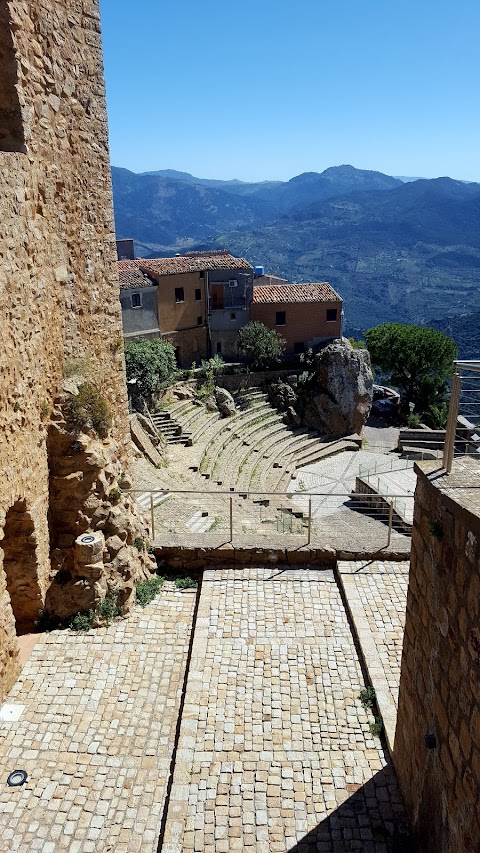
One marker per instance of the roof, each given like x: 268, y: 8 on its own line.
x: 280, y: 293
x: 131, y: 276
x: 194, y: 262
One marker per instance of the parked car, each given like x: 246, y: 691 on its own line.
x: 385, y: 408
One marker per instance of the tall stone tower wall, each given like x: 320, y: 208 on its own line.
x: 59, y: 300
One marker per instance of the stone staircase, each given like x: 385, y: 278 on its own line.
x: 170, y: 428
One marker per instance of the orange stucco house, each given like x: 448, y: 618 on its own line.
x: 304, y: 314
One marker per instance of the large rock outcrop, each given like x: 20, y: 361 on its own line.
x: 341, y: 390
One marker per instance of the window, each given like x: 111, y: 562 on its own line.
x: 136, y: 300
x: 198, y: 294
x: 281, y: 318
x: 179, y: 294
x: 202, y: 274
x: 199, y: 321
x: 219, y: 346
x: 331, y: 314
x: 299, y: 346
x: 233, y: 316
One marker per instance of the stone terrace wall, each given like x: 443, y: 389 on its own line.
x: 58, y: 281
x: 440, y: 676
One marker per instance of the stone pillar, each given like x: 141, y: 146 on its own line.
x: 437, y: 740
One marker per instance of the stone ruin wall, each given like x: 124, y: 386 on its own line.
x: 440, y: 675
x: 59, y: 295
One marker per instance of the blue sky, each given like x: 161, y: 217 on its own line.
x: 266, y: 90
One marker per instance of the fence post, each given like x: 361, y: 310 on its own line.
x: 152, y: 516
x: 231, y: 518
x: 309, y: 521
x: 449, y: 446
x: 390, y: 522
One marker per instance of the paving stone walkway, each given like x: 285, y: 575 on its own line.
x: 377, y: 597
x: 275, y: 751
x: 98, y: 713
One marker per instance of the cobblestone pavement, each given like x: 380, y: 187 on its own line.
x: 96, y: 734
x: 377, y: 597
x: 275, y: 751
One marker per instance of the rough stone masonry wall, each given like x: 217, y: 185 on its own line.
x: 440, y: 675
x: 58, y: 281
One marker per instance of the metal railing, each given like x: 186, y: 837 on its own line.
x: 250, y: 515
x: 461, y: 438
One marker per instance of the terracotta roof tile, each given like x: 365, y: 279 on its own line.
x: 319, y: 292
x: 131, y: 276
x: 193, y: 262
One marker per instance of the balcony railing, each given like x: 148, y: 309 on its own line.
x: 461, y: 437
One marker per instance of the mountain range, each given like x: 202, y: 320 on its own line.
x: 395, y: 249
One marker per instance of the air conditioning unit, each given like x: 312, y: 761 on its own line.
x: 232, y: 282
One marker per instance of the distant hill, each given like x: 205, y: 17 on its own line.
x: 410, y: 254
x: 394, y: 249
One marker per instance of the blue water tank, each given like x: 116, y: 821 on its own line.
x: 259, y: 270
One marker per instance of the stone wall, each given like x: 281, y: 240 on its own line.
x: 58, y: 279
x: 440, y: 675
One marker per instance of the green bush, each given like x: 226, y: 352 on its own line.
x: 88, y: 410
x: 149, y: 364
x: 185, y: 583
x: 263, y: 347
x: 114, y: 495
x: 139, y: 543
x: 413, y: 421
x: 147, y: 590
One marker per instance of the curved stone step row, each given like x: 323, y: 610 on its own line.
x: 231, y: 454
x: 263, y: 449
x: 218, y: 438
x: 206, y: 431
x: 281, y: 456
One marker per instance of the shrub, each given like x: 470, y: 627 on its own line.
x: 185, y: 583
x: 413, y: 421
x: 139, y: 543
x: 148, y: 365
x: 114, y: 495
x: 147, y: 590
x: 88, y: 410
x: 263, y: 347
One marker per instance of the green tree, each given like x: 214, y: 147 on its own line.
x: 262, y: 346
x: 418, y: 361
x: 149, y: 363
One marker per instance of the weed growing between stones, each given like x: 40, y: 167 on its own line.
x: 185, y: 583
x: 89, y: 410
x: 367, y: 697
x: 114, y: 495
x: 108, y: 609
x: 82, y: 621
x: 139, y: 543
x: 147, y: 590
x: 376, y: 728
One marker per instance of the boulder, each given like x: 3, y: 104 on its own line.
x: 342, y: 395
x: 225, y: 402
